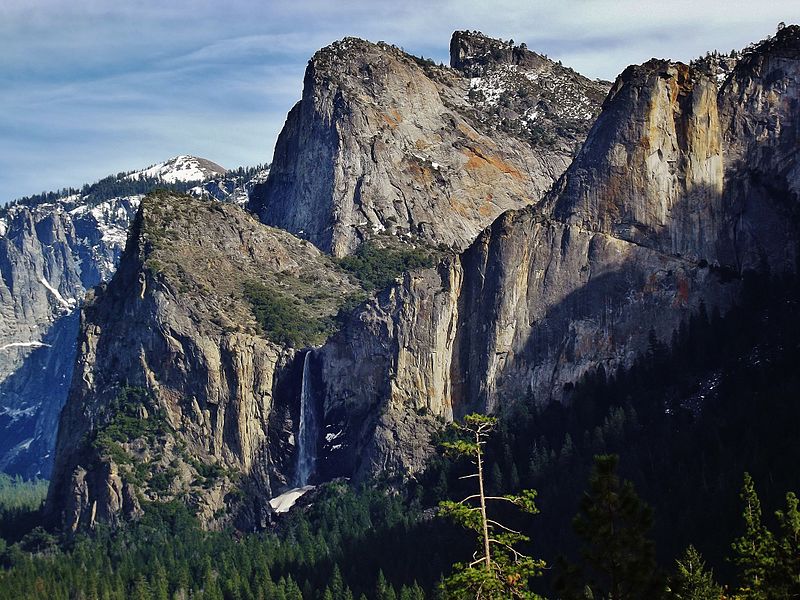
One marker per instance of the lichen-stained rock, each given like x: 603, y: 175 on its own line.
x: 177, y: 393
x: 656, y: 177
x: 382, y: 140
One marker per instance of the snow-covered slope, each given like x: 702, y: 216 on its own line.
x: 235, y: 187
x: 181, y: 168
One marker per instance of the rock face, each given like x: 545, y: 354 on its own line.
x: 52, y: 249
x: 682, y: 186
x: 386, y: 142
x: 176, y: 394
x: 680, y: 189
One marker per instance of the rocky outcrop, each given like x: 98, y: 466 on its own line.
x: 387, y: 142
x: 176, y: 392
x: 524, y: 93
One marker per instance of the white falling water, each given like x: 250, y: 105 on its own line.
x: 307, y: 431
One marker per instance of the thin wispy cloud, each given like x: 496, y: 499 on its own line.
x: 92, y: 87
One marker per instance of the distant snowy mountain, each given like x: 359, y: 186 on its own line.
x: 54, y: 247
x: 181, y: 168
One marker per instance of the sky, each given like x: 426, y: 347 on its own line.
x: 94, y: 87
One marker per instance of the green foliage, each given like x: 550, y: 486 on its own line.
x: 692, y: 581
x: 20, y: 507
x: 376, y: 267
x: 208, y: 473
x: 619, y: 558
x: 286, y: 319
x: 161, y: 480
x: 133, y: 415
x: 348, y: 542
x: 769, y: 563
x: 783, y: 580
x: 17, y: 494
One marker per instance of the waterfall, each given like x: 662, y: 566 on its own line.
x: 307, y: 430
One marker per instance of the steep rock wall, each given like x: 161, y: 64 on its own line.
x: 49, y: 256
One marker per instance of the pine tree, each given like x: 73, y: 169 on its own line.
x: 619, y: 558
x: 754, y: 551
x: 692, y: 581
x: 141, y: 590
x: 337, y: 585
x: 383, y: 589
x: 783, y: 580
x: 499, y: 569
x: 158, y: 583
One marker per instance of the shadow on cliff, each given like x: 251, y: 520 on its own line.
x: 607, y: 320
x: 39, y: 388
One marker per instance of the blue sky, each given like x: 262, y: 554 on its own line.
x: 93, y: 87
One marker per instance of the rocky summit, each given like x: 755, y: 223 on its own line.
x: 383, y: 142
x: 228, y: 360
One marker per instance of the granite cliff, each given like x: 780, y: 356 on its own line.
x: 686, y: 182
x: 682, y: 187
x: 177, y: 391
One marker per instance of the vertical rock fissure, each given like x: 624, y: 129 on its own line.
x: 307, y: 428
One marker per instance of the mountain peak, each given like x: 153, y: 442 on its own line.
x: 181, y: 168
x: 472, y: 52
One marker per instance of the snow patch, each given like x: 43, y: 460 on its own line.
x: 329, y: 437
x: 22, y: 446
x: 282, y: 503
x: 24, y: 345
x: 66, y: 303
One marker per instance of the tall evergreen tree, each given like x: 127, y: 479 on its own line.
x: 384, y: 589
x: 783, y: 580
x: 619, y: 558
x: 755, y: 549
x: 499, y: 570
x: 692, y: 581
